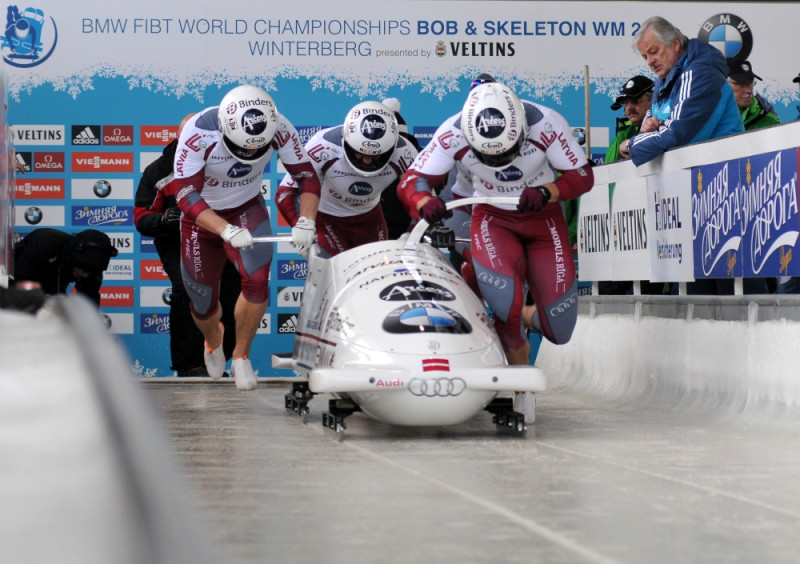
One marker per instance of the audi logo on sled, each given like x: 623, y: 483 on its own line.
x: 437, y: 387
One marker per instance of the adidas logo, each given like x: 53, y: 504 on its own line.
x: 289, y: 326
x: 85, y: 137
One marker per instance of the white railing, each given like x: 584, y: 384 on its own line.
x: 726, y: 208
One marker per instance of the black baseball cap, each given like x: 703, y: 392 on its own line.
x: 797, y: 78
x: 633, y: 88
x: 740, y: 70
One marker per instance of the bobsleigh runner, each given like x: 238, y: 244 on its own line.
x: 391, y: 329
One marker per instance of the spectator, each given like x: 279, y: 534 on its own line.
x: 355, y: 162
x: 515, y: 248
x: 692, y: 99
x: 634, y: 97
x: 158, y: 217
x: 55, y: 259
x: 219, y: 164
x: 756, y: 112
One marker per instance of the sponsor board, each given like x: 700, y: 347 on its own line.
x: 155, y: 296
x: 102, y: 189
x: 119, y: 323
x: 39, y: 216
x: 39, y: 189
x: 119, y: 270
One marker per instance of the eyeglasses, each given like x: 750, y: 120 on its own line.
x: 744, y: 84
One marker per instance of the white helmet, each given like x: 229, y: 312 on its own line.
x: 370, y: 131
x: 494, y: 124
x: 248, y: 121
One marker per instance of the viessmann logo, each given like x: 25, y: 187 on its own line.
x: 30, y: 38
x: 102, y: 162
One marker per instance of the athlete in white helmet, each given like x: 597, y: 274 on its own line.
x: 219, y: 164
x: 355, y: 161
x: 511, y: 148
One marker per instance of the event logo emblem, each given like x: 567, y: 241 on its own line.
x: 27, y: 37
x: 728, y: 33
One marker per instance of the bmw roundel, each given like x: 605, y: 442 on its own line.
x: 33, y: 215
x: 102, y: 188
x: 425, y: 317
x: 728, y: 33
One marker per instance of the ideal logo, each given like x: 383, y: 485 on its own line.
x: 29, y: 39
x: 119, y: 270
x: 290, y: 296
x: 85, y: 134
x: 287, y: 323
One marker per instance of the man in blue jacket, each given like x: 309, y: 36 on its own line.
x: 692, y: 101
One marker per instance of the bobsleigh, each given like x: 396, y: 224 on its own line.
x: 392, y: 330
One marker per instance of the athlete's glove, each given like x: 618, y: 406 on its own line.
x: 441, y: 236
x: 170, y: 217
x: 238, y: 237
x: 303, y: 234
x: 533, y: 199
x: 434, y: 210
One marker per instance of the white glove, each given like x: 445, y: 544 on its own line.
x: 237, y: 236
x: 303, y: 234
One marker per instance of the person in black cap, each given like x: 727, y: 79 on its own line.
x: 755, y: 110
x: 55, y: 260
x: 635, y: 97
x: 796, y: 80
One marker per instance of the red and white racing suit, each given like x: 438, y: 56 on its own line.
x: 207, y: 176
x: 515, y: 252
x: 349, y: 213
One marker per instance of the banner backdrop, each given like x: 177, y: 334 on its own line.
x: 97, y: 88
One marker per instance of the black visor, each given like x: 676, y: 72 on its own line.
x: 503, y: 159
x: 378, y: 161
x: 245, y: 154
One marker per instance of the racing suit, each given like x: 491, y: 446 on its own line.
x: 514, y: 252
x: 207, y: 176
x: 185, y: 341
x: 349, y: 212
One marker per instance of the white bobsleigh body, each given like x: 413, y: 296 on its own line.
x: 393, y: 327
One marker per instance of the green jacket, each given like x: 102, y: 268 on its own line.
x: 759, y: 113
x: 625, y: 130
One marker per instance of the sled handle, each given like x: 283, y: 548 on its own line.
x: 419, y: 229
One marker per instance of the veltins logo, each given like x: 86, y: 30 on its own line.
x: 728, y: 33
x: 29, y: 39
